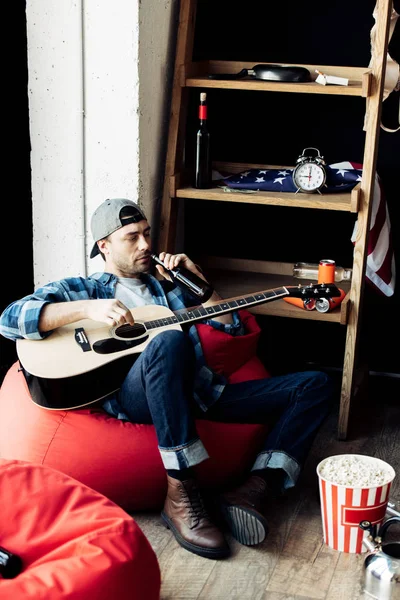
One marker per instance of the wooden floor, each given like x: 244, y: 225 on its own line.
x: 293, y: 563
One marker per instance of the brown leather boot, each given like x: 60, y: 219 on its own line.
x: 185, y: 515
x: 242, y: 510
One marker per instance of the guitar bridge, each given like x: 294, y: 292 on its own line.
x: 111, y: 345
x: 82, y: 340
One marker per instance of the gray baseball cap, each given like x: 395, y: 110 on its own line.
x: 111, y: 215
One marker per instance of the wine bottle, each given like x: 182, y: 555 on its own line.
x: 304, y: 270
x: 10, y: 564
x: 188, y: 281
x: 203, y: 177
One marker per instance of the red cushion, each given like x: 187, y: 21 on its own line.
x: 252, y: 369
x: 117, y: 458
x: 235, y: 357
x: 74, y: 543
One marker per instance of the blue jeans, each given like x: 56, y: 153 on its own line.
x: 159, y: 389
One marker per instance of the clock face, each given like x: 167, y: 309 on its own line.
x: 309, y: 177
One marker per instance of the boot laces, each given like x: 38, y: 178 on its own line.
x: 195, y: 504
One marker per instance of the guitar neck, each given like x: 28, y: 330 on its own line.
x: 198, y: 313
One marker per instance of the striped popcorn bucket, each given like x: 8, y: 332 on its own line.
x: 343, y: 507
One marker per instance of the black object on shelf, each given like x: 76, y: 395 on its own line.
x: 10, y: 564
x: 269, y: 73
x: 203, y: 175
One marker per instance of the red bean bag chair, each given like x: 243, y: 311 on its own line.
x: 234, y: 357
x: 74, y: 543
x: 121, y: 459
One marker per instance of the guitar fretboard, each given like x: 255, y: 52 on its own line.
x: 201, y: 312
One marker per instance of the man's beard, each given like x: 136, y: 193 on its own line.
x: 138, y: 268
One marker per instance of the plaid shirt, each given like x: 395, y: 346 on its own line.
x: 21, y: 320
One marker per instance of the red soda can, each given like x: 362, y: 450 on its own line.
x: 326, y: 271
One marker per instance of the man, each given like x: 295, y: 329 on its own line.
x: 170, y: 385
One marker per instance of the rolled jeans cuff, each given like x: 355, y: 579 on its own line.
x: 183, y: 457
x: 276, y: 459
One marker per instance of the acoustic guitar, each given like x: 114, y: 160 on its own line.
x: 83, y: 362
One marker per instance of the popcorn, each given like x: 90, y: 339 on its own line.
x: 353, y: 488
x: 353, y: 470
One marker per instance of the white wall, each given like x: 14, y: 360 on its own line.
x: 99, y: 86
x: 157, y: 38
x: 55, y: 107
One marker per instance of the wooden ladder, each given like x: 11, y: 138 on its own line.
x: 370, y: 85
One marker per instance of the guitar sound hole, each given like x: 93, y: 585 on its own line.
x: 130, y: 332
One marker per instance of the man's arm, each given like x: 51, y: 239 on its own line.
x: 33, y: 316
x: 109, y: 311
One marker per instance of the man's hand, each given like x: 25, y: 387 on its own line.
x: 172, y: 261
x: 111, y: 311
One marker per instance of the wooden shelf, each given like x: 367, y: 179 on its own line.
x: 196, y: 75
x: 347, y: 202
x: 236, y: 277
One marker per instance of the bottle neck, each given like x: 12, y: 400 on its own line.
x: 203, y: 112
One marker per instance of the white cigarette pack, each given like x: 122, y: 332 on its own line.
x: 331, y: 80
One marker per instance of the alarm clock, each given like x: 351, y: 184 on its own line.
x: 309, y: 175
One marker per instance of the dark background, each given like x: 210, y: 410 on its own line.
x: 255, y: 127
x: 16, y: 205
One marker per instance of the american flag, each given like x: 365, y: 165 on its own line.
x: 340, y: 177
x: 280, y: 180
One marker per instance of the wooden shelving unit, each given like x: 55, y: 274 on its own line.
x: 260, y: 275
x: 196, y: 75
